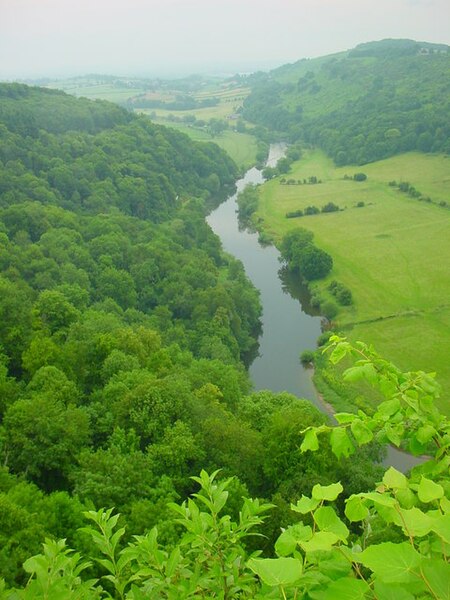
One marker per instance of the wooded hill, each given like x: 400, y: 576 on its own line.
x: 123, y: 331
x: 377, y: 100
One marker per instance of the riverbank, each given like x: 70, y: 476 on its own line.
x: 389, y: 249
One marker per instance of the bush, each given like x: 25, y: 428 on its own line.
x: 359, y: 177
x: 324, y: 338
x: 330, y: 207
x: 360, y: 204
x: 307, y: 357
x: 329, y: 309
x: 311, y: 210
x: 294, y: 213
x: 342, y: 294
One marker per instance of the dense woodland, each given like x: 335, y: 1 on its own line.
x: 377, y: 100
x: 124, y: 333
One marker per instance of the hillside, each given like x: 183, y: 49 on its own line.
x: 377, y: 100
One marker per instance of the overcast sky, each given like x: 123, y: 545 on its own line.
x: 176, y: 37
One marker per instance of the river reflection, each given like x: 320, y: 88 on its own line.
x: 289, y: 324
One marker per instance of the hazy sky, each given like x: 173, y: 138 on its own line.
x: 153, y: 37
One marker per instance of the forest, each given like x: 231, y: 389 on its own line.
x: 125, y: 335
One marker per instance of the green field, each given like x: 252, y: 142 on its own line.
x: 102, y: 91
x: 230, y: 99
x: 240, y: 146
x: 393, y: 253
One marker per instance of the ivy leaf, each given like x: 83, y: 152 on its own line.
x: 277, y: 571
x: 322, y: 540
x: 392, y: 563
x: 310, y: 441
x: 429, y: 491
x: 327, y: 520
x: 395, y: 480
x: 355, y: 509
x: 305, y: 505
x: 340, y: 442
x: 327, y: 492
x: 343, y: 589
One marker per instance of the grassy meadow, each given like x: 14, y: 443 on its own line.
x: 229, y: 100
x: 393, y: 252
x: 101, y: 91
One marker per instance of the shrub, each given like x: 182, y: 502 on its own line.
x: 294, y: 213
x: 359, y: 177
x: 311, y: 210
x: 330, y: 207
x: 307, y: 357
x: 329, y: 309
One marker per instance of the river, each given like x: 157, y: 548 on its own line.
x: 289, y: 325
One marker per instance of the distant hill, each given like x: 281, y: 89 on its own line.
x: 368, y: 103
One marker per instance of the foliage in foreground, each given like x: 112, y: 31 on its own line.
x: 394, y: 541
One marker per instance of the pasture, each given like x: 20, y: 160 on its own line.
x: 393, y: 252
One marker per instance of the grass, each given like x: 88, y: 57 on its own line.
x: 99, y: 91
x: 240, y: 146
x: 229, y: 100
x: 220, y: 111
x: 393, y: 253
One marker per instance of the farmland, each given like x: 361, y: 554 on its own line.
x: 392, y: 250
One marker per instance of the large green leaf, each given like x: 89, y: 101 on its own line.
x: 310, y: 441
x: 327, y: 520
x: 322, y: 540
x: 343, y: 589
x: 388, y: 408
x: 437, y: 575
x: 361, y: 432
x: 415, y: 522
x: 392, y: 563
x: 376, y: 498
x: 288, y: 540
x: 355, y: 509
x: 341, y: 444
x: 441, y: 526
x: 429, y: 491
x: 395, y: 480
x: 277, y: 571
x: 305, y: 505
x: 391, y: 591
x: 327, y: 492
